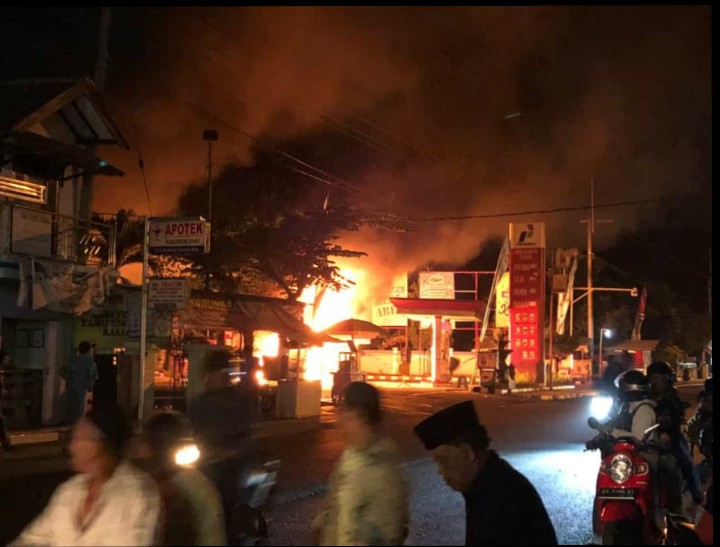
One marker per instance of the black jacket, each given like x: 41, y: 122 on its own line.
x: 503, y: 508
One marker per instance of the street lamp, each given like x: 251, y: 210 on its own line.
x: 604, y: 333
x: 210, y: 136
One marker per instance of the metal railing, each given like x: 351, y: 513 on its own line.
x: 32, y: 231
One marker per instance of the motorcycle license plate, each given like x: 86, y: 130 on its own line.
x: 617, y: 493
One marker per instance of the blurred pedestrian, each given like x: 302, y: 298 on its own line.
x: 4, y: 437
x: 368, y: 499
x: 80, y: 377
x: 109, y: 501
x: 501, y: 506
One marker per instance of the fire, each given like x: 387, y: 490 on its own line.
x: 266, y: 344
x: 320, y: 313
x: 334, y: 306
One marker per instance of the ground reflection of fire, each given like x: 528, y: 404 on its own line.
x: 323, y: 309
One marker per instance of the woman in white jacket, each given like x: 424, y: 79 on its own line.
x: 109, y: 502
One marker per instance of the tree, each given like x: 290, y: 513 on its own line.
x: 275, y: 230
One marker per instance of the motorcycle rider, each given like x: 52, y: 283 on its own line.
x: 223, y: 418
x: 636, y: 414
x: 193, y: 508
x: 637, y: 410
x: 670, y: 410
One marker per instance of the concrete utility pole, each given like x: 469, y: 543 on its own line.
x: 99, y: 76
x: 590, y: 232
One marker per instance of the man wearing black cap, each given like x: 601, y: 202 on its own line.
x: 501, y: 506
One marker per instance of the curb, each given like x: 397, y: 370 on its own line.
x: 264, y: 430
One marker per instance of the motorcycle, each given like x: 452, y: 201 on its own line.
x: 625, y: 506
x: 244, y: 479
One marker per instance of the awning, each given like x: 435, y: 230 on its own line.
x: 236, y: 312
x: 63, y: 155
x: 79, y: 108
x: 448, y: 309
x: 635, y: 345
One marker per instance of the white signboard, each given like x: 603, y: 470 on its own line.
x: 502, y: 302
x: 31, y: 232
x: 531, y: 235
x: 167, y: 293
x: 179, y: 236
x: 437, y: 285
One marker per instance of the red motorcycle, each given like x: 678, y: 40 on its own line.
x: 625, y: 507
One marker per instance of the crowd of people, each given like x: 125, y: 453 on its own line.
x: 128, y: 490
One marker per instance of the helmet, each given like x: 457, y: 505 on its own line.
x: 661, y: 367
x: 632, y: 385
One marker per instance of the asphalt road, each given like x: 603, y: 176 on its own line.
x: 544, y: 440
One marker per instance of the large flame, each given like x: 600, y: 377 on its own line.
x: 324, y: 308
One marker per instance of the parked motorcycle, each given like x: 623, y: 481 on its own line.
x: 626, y: 490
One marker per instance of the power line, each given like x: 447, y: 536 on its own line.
x: 541, y: 211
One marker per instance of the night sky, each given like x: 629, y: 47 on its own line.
x: 409, y: 104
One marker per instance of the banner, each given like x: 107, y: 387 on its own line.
x: 640, y: 316
x: 62, y: 287
x: 565, y: 298
x: 437, y: 285
x: 502, y: 302
x: 500, y: 269
x: 527, y: 299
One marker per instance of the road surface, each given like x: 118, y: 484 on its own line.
x: 543, y: 439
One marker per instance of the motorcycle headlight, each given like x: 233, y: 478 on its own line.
x: 620, y: 469
x: 600, y: 407
x: 187, y: 455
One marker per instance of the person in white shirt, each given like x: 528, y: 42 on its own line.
x: 109, y: 502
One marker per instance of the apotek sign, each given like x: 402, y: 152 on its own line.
x: 179, y: 236
x: 437, y: 285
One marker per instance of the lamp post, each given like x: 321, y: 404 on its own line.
x: 604, y: 333
x: 210, y: 136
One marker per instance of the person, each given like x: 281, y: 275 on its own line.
x: 704, y: 526
x: 80, y: 378
x: 701, y: 421
x: 637, y: 411
x: 368, y: 499
x: 224, y: 415
x: 670, y: 411
x: 193, y: 507
x: 4, y: 437
x: 501, y: 505
x: 109, y: 501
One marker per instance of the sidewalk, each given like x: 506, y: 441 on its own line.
x: 266, y: 429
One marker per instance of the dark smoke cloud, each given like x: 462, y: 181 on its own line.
x: 619, y: 94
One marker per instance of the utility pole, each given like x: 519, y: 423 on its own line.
x: 710, y: 281
x: 590, y: 232
x: 99, y: 76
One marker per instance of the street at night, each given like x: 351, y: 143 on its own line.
x: 297, y: 275
x: 543, y: 439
